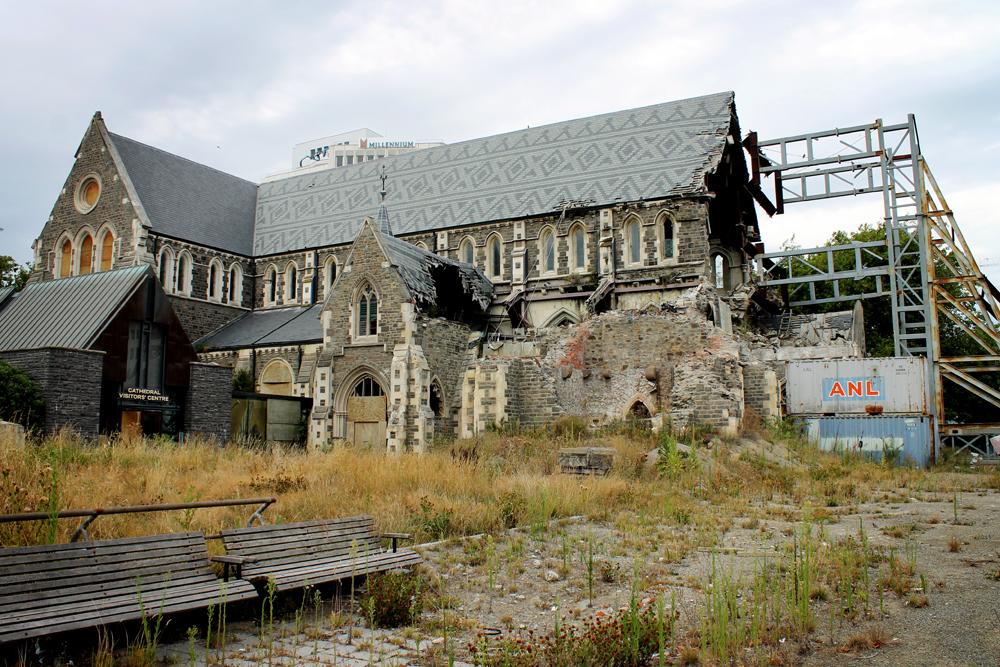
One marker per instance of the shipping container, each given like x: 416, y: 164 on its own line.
x: 897, y: 385
x: 909, y: 440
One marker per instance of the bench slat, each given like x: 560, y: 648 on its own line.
x: 313, y: 552
x: 47, y: 589
x: 193, y: 600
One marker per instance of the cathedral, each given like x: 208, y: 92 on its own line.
x: 404, y: 296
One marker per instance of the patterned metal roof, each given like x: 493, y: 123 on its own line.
x: 190, y: 201
x: 68, y: 312
x: 639, y: 154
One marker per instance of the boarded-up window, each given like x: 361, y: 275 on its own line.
x: 107, y: 250
x: 67, y: 260
x: 86, y: 254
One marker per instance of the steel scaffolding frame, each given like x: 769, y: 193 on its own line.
x: 922, y: 237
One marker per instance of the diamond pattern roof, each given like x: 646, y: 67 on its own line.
x: 639, y: 154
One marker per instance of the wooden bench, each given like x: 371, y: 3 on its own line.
x: 312, y: 552
x: 59, y: 587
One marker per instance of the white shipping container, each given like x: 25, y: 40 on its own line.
x: 899, y: 385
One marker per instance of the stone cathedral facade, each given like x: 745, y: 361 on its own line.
x: 420, y: 311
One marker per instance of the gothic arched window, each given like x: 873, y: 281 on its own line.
x: 367, y: 322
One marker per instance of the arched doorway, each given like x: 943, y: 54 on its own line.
x: 366, y: 412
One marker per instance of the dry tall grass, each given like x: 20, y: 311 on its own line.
x: 461, y: 488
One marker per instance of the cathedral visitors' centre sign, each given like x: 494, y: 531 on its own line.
x: 146, y: 396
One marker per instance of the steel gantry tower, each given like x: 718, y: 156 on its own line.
x: 924, y: 265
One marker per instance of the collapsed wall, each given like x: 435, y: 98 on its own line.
x: 670, y: 364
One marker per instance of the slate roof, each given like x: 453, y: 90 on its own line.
x: 278, y: 326
x: 190, y: 201
x: 69, y: 312
x: 416, y: 267
x: 638, y: 154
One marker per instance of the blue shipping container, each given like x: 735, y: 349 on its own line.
x: 910, y: 439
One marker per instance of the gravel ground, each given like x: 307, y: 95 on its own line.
x: 541, y: 574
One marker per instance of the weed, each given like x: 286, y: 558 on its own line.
x: 954, y: 544
x: 392, y: 600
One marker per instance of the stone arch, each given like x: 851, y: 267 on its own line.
x: 165, y: 269
x: 291, y: 291
x: 105, y: 248
x: 494, y: 256
x: 84, y: 244
x: 467, y: 250
x: 639, y: 407
x: 277, y: 378
x: 579, y: 246
x: 360, y: 410
x: 436, y: 401
x: 270, y: 285
x: 329, y: 274
x: 215, y: 279
x: 666, y: 233
x: 720, y: 268
x: 235, y: 286
x: 562, y: 317
x: 548, y: 251
x: 185, y: 268
x: 64, y: 256
x: 632, y: 235
x: 366, y: 309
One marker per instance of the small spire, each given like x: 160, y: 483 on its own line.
x: 382, y: 219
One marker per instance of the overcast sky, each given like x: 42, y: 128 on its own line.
x: 235, y: 85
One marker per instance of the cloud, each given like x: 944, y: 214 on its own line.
x: 236, y: 84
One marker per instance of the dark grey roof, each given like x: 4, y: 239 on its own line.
x: 639, y: 154
x: 190, y: 201
x: 276, y: 326
x: 5, y: 294
x: 68, y: 312
x: 417, y: 268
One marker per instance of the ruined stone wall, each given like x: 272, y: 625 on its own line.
x: 760, y: 389
x: 445, y: 345
x: 675, y: 364
x: 532, y: 397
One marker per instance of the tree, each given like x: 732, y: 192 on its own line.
x: 20, y: 401
x: 243, y: 381
x: 12, y: 273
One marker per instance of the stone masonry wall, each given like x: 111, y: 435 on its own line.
x: 760, y: 389
x: 200, y: 318
x: 113, y: 209
x: 70, y: 382
x: 208, y: 406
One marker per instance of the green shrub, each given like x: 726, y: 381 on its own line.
x: 243, y: 381
x: 393, y: 600
x: 19, y: 398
